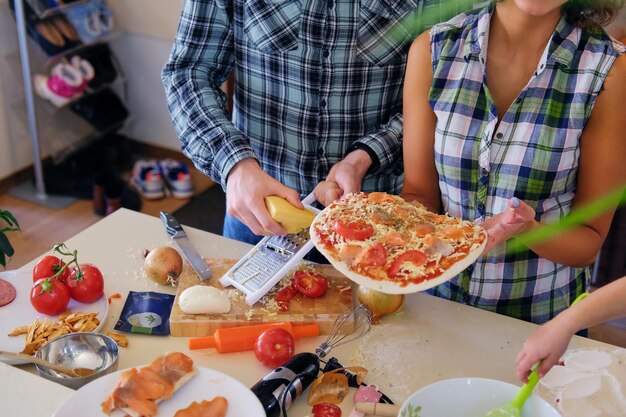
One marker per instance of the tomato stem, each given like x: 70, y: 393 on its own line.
x: 63, y: 250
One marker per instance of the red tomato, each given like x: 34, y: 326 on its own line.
x: 310, y: 284
x: 87, y: 285
x: 284, y: 295
x: 49, y: 296
x: 413, y: 256
x: 354, y: 230
x: 326, y: 410
x: 48, y: 266
x: 274, y: 347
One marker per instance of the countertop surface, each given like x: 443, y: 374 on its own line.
x: 429, y: 340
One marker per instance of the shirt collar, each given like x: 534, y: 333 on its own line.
x: 561, y: 47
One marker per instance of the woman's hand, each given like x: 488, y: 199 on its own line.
x: 517, y: 219
x: 246, y: 189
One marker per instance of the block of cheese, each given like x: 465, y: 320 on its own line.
x: 291, y: 218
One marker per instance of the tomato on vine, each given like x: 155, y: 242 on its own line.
x: 49, y: 296
x: 49, y: 266
x: 86, y: 283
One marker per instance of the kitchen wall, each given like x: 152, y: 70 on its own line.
x: 146, y: 30
x: 149, y: 27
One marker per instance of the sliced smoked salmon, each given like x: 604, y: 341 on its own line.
x: 215, y: 408
x: 139, y: 390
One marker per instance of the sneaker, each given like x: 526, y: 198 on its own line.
x: 177, y: 178
x: 147, y: 179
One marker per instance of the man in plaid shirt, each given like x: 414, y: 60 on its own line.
x: 318, y: 96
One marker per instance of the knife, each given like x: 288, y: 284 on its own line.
x: 175, y: 230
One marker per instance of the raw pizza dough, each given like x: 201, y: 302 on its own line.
x: 422, y: 231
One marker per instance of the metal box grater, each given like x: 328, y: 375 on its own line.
x: 270, y: 260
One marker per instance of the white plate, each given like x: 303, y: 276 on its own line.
x: 21, y: 313
x: 206, y: 385
x: 470, y: 397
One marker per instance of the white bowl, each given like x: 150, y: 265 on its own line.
x: 470, y: 397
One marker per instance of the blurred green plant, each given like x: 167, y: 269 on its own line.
x: 429, y: 14
x: 576, y: 217
x: 8, y: 223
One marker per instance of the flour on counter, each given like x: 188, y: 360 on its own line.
x: 590, y: 383
x: 377, y: 352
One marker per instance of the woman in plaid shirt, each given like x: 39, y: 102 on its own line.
x: 517, y: 109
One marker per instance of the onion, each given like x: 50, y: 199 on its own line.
x: 379, y: 303
x: 162, y: 265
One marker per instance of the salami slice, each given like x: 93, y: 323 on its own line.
x: 7, y: 292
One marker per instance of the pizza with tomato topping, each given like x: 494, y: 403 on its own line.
x: 381, y: 241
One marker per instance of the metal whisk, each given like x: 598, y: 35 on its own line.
x: 349, y: 326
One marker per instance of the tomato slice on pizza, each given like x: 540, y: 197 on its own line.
x: 387, y: 244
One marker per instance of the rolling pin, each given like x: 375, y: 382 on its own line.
x: 378, y: 409
x: 236, y: 339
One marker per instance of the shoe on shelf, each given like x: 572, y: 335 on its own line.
x: 177, y: 178
x: 101, y: 59
x: 92, y: 20
x: 102, y: 109
x: 63, y: 84
x: 86, y: 71
x: 147, y: 180
x: 66, y: 29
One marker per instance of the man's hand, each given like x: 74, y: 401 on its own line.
x: 246, y: 189
x: 518, y: 218
x: 345, y: 177
x: 327, y: 191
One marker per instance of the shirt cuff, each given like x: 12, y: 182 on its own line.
x: 375, y: 161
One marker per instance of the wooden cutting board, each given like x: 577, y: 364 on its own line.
x: 302, y: 310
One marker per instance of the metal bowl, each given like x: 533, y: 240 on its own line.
x: 79, y: 350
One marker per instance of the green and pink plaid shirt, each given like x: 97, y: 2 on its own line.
x: 532, y: 155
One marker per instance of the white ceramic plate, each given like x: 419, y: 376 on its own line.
x: 206, y: 385
x: 470, y: 397
x: 21, y: 313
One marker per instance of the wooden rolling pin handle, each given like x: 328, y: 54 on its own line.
x: 378, y: 409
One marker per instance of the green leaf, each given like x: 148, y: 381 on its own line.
x: 5, y: 246
x: 411, y: 411
x: 9, y: 219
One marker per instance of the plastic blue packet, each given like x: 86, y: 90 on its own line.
x: 146, y: 312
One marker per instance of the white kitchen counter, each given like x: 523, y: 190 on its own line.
x: 430, y: 340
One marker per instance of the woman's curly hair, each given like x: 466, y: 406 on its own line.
x: 591, y: 13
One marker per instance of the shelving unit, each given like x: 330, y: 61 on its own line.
x: 37, y: 193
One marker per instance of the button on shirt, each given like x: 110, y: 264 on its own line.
x: 531, y: 154
x: 310, y: 74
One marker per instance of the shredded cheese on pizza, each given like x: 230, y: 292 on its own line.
x: 383, y: 237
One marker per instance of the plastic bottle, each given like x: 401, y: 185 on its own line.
x: 235, y: 339
x: 302, y: 369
